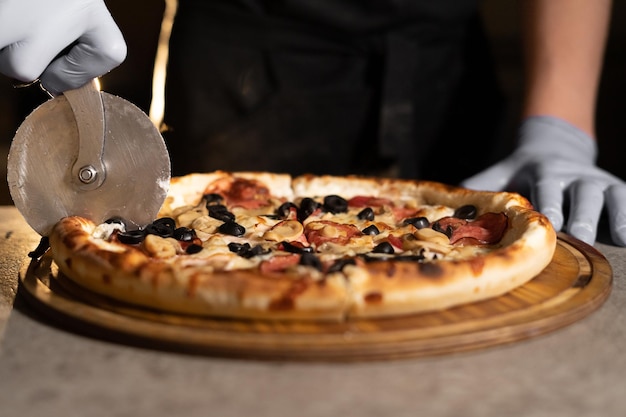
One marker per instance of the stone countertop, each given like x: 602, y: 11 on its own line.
x: 579, y: 370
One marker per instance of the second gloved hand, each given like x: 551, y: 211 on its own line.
x: 34, y: 32
x: 556, y: 161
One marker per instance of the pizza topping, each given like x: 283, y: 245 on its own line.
x: 322, y: 231
x: 279, y: 263
x: 366, y: 214
x: 340, y: 264
x: 163, y: 227
x: 193, y: 248
x: 419, y: 222
x: 384, y: 247
x: 287, y: 210
x: 232, y: 228
x: 131, y: 237
x: 245, y: 250
x: 184, y: 234
x: 288, y: 230
x: 220, y: 212
x: 308, y: 206
x: 160, y: 247
x: 371, y: 230
x: 368, y: 201
x: 335, y: 204
x: 309, y: 259
x: 486, y: 229
x: 466, y: 212
x: 432, y: 235
x: 294, y: 247
x: 212, y: 198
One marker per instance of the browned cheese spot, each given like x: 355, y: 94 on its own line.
x: 477, y: 264
x: 373, y: 297
x: 288, y: 300
x: 430, y: 269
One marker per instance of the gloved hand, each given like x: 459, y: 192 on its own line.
x: 34, y: 32
x: 557, y: 161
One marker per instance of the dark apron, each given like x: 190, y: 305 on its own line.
x: 331, y: 87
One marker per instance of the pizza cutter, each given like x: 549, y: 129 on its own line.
x: 91, y: 154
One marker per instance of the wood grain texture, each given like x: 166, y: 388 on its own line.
x: 577, y: 281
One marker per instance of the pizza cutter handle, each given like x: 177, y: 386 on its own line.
x: 88, y: 171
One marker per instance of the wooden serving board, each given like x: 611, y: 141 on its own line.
x: 577, y: 281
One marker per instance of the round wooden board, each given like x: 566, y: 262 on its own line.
x: 577, y: 281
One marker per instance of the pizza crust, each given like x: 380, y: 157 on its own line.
x: 184, y: 284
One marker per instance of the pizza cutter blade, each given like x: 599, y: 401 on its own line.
x: 91, y: 154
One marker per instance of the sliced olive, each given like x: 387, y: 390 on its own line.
x: 366, y: 214
x: 383, y: 247
x: 284, y: 209
x: 212, y: 198
x: 132, y: 237
x: 467, y: 212
x: 116, y: 220
x: 245, y: 250
x: 335, y: 204
x: 232, y: 228
x: 163, y: 227
x: 307, y: 207
x: 193, y: 248
x: 291, y: 248
x: 371, y: 230
x: 418, y: 222
x: 438, y: 228
x: 220, y: 212
x: 184, y: 234
x: 340, y: 264
x: 238, y: 247
x: 309, y: 259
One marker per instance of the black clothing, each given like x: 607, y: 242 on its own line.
x: 330, y: 86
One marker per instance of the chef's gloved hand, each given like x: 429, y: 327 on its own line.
x: 34, y: 32
x: 556, y: 161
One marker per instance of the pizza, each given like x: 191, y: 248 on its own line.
x: 266, y: 246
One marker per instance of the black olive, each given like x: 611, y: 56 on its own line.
x: 383, y: 247
x: 184, y: 234
x: 212, y: 198
x: 220, y: 212
x: 309, y: 259
x: 131, y: 237
x: 193, y: 248
x: 238, y: 247
x: 163, y: 227
x: 340, y: 264
x: 116, y: 220
x: 467, y: 212
x: 284, y: 209
x: 418, y: 222
x: 366, y: 214
x: 245, y: 250
x: 335, y: 204
x: 291, y: 248
x: 307, y: 207
x: 447, y: 231
x: 232, y: 228
x: 371, y: 230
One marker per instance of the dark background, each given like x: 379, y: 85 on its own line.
x: 140, y: 23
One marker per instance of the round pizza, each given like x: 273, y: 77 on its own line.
x: 259, y: 245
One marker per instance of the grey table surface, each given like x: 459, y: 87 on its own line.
x: 47, y: 370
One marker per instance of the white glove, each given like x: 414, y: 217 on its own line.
x: 557, y: 161
x: 34, y: 32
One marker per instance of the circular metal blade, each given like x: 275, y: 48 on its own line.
x: 45, y: 147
